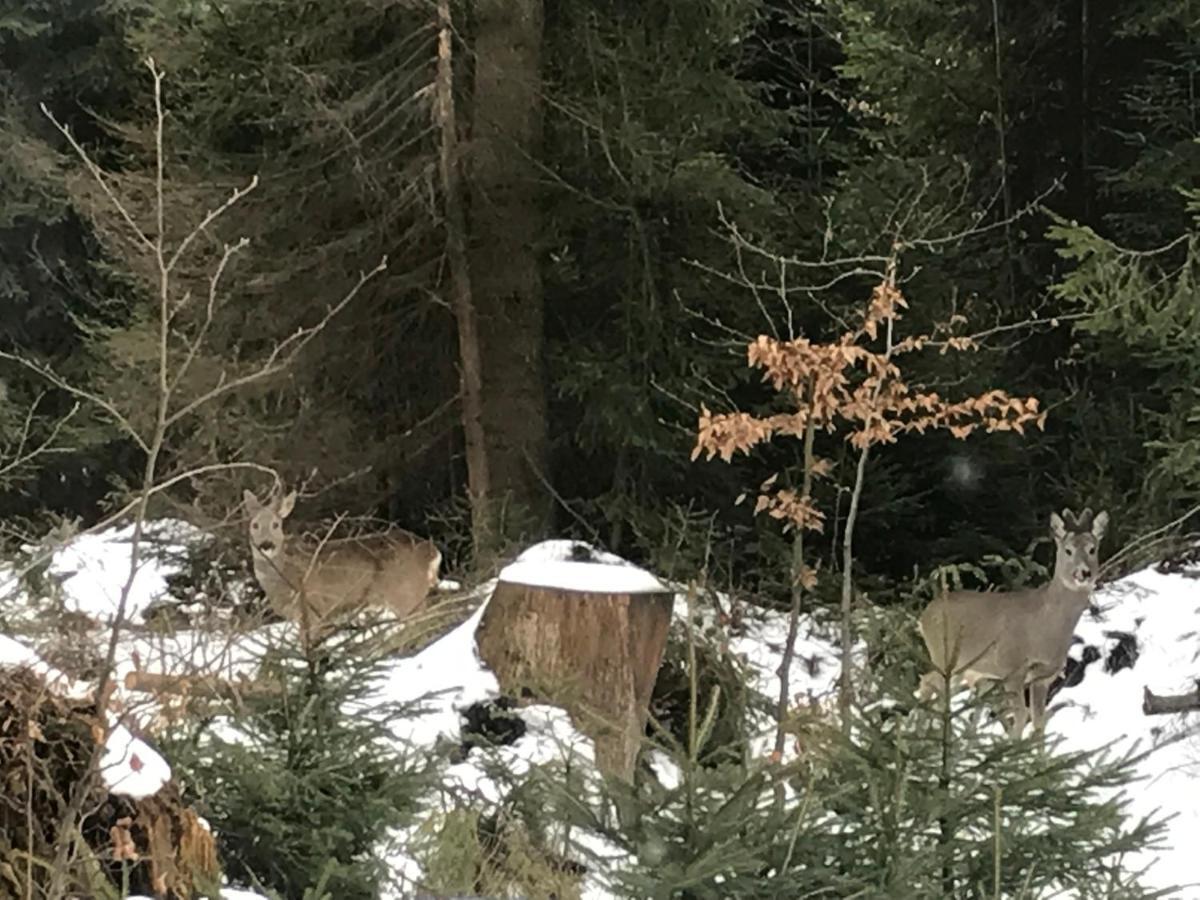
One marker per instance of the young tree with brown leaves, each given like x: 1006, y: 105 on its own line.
x: 852, y: 386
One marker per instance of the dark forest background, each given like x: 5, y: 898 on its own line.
x: 1037, y: 163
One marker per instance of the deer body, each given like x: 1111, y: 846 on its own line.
x: 315, y: 582
x: 1020, y: 637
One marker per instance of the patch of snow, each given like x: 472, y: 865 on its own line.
x: 95, y: 568
x: 568, y: 551
x: 130, y: 767
x: 448, y: 584
x: 444, y: 678
x: 665, y: 770
x: 813, y: 676
x: 577, y: 566
x: 1161, y: 611
x: 549, y: 737
x: 591, y: 577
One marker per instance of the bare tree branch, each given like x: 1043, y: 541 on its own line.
x: 227, y: 253
x: 98, y: 174
x: 281, y: 355
x: 20, y: 456
x: 74, y: 390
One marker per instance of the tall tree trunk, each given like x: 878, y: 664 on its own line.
x: 461, y: 299
x: 506, y: 225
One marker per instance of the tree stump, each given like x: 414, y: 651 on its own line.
x: 586, y: 636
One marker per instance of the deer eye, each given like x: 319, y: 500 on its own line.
x: 1070, y: 551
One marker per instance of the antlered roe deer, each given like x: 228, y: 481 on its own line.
x: 1019, y: 638
x: 315, y: 582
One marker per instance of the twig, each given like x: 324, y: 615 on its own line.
x: 282, y: 354
x: 21, y: 456
x: 797, y: 571
x: 851, y: 520
x: 1112, y: 562
x: 95, y: 399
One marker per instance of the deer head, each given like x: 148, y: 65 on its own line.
x: 266, y: 522
x: 1077, y: 539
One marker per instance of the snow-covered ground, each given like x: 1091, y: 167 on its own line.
x: 1160, y: 612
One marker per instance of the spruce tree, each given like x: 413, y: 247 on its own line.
x: 304, y: 788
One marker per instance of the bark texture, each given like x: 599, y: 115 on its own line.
x: 504, y: 259
x: 461, y: 299
x: 597, y: 655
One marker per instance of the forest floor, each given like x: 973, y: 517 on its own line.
x: 1145, y: 629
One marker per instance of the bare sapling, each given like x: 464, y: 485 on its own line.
x: 316, y: 582
x: 1017, y: 638
x: 155, y: 420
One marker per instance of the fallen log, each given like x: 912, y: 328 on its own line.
x: 1166, y: 704
x: 205, y: 687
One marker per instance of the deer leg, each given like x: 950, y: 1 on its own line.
x: 1016, y: 703
x: 1038, y: 692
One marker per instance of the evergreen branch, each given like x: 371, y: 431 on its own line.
x: 21, y: 456
x: 282, y: 354
x: 98, y: 175
x: 74, y: 390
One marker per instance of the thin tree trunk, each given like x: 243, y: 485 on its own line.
x: 506, y: 226
x: 1002, y: 138
x: 461, y: 301
x: 846, y: 683
x: 797, y: 571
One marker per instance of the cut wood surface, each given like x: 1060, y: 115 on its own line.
x: 595, y: 654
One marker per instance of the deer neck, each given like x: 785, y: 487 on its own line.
x: 269, y: 572
x: 1065, y: 600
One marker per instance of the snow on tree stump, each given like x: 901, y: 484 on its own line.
x: 585, y: 632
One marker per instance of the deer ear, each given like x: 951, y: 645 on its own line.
x: 1057, y: 528
x: 286, y: 505
x: 251, y: 502
x: 1099, y: 525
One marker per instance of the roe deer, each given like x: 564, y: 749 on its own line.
x: 393, y: 570
x: 1020, y: 637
